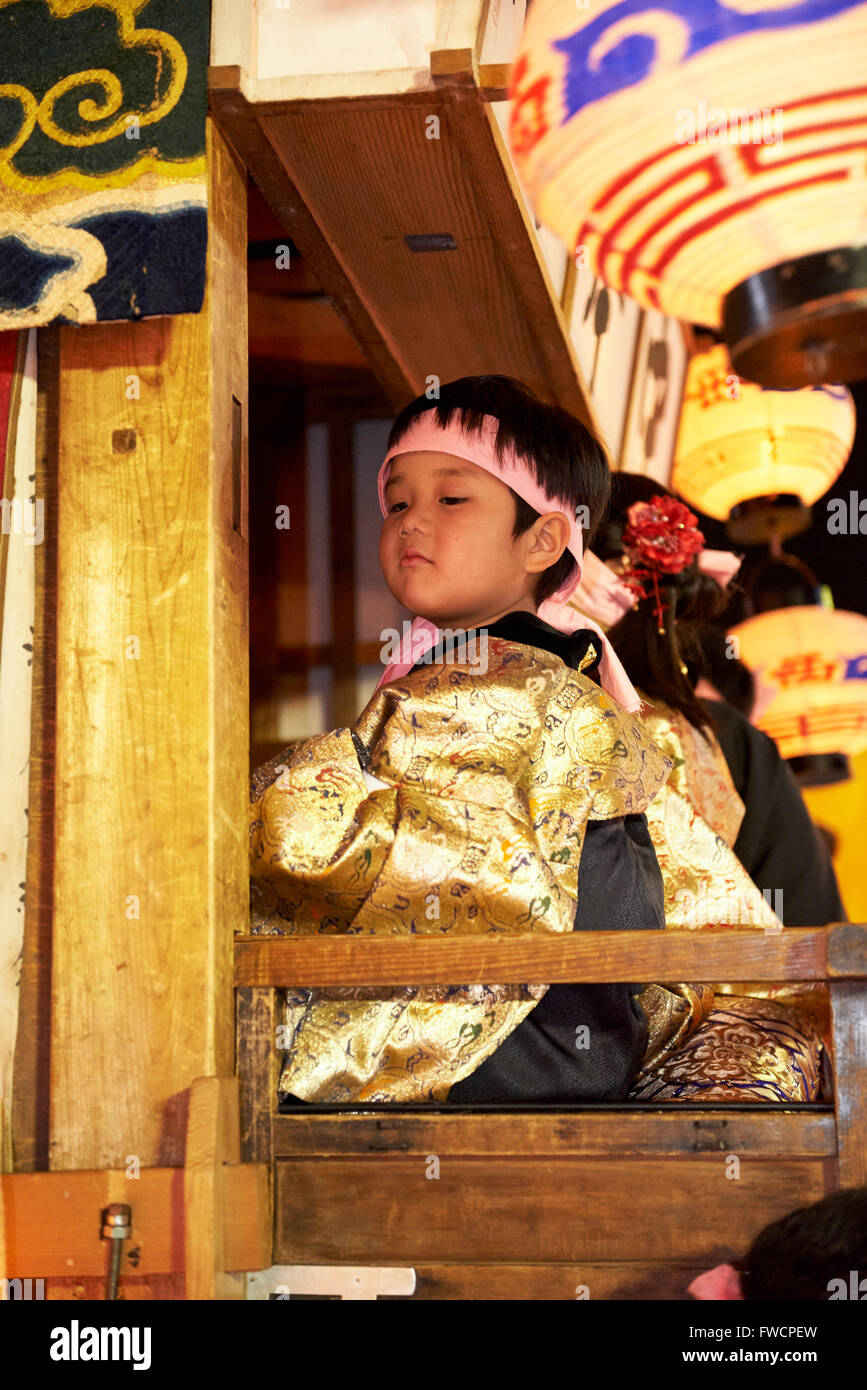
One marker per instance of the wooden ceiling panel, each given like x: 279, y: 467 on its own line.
x: 349, y: 178
x: 372, y: 177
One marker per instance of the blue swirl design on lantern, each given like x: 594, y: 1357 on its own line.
x: 694, y: 26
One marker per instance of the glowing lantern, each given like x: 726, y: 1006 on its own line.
x: 762, y: 456
x: 707, y: 156
x: 810, y: 665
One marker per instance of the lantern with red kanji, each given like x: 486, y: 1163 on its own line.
x: 810, y: 665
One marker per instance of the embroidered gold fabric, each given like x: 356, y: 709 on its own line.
x: 746, y: 1050
x: 490, y: 779
x: 693, y: 823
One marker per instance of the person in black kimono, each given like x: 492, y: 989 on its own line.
x: 778, y: 843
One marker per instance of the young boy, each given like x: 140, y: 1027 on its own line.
x: 509, y: 798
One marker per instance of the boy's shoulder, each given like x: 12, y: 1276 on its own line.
x: 524, y: 705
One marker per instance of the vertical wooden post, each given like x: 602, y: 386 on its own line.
x: 258, y: 1016
x: 849, y: 1020
x: 152, y: 709
x: 847, y: 957
x: 213, y: 1139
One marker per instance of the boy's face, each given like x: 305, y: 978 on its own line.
x: 446, y: 548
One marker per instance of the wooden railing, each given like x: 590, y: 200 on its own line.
x: 836, y: 954
x: 795, y: 953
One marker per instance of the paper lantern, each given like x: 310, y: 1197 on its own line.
x: 739, y: 443
x: 810, y: 665
x: 708, y: 160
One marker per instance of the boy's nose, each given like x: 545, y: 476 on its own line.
x: 411, y: 520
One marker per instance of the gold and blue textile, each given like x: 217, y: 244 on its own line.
x: 489, y: 779
x: 103, y: 187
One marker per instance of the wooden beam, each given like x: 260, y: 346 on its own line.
x: 327, y: 169
x: 797, y: 953
x: 239, y: 117
x: 626, y: 1133
x: 51, y: 1222
x: 152, y: 700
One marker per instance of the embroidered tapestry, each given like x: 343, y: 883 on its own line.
x: 103, y: 206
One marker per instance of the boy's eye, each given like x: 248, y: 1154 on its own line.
x: 396, y: 506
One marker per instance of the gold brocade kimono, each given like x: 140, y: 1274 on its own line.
x: 693, y: 823
x: 484, y: 783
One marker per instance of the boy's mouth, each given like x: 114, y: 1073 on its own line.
x: 414, y: 557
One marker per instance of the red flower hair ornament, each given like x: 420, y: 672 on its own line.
x: 661, y: 538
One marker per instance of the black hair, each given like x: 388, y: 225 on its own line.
x: 690, y: 601
x: 565, y: 456
x: 797, y: 1257
x: 725, y: 672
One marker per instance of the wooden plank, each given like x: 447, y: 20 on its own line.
x: 849, y: 1036
x: 556, y: 1135
x: 492, y: 174
x: 241, y: 121
x: 375, y: 1211
x: 30, y: 1085
x: 21, y: 534
x: 454, y: 312
x: 50, y: 1222
x: 628, y: 1279
x: 247, y: 1220
x: 258, y: 1066
x: 327, y: 169
x: 798, y: 953
x: 151, y: 796
x: 213, y: 1138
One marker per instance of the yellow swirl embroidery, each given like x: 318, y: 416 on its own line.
x: 165, y: 45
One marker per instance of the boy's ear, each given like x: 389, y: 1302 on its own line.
x: 548, y: 539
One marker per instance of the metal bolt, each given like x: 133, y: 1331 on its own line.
x: 116, y: 1227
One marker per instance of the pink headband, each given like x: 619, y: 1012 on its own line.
x: 425, y: 434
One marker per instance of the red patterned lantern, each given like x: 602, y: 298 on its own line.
x: 707, y: 156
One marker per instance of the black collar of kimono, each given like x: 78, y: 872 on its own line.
x: 532, y: 631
